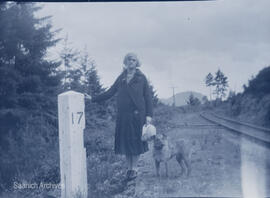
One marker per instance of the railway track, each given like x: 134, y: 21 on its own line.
x: 254, y: 133
x: 188, y: 125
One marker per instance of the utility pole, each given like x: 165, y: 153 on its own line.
x: 173, y: 95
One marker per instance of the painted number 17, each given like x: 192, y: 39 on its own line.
x: 79, y: 114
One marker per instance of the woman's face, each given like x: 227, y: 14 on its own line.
x: 131, y: 62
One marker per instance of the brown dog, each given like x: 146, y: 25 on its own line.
x: 163, y: 151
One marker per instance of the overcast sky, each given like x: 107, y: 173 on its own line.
x: 178, y: 43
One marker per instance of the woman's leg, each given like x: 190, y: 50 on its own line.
x: 132, y: 166
x: 134, y: 161
x: 129, y: 162
x: 133, y: 172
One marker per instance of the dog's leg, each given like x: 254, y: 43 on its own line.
x: 178, y: 158
x: 182, y: 168
x: 166, y: 168
x: 188, y: 168
x: 157, y: 163
x: 186, y: 165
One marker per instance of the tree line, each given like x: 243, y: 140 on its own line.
x: 220, y: 84
x: 257, y: 86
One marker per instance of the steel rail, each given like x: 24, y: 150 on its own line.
x: 257, y: 134
x: 243, y: 123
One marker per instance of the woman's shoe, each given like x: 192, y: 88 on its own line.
x: 133, y: 174
x: 128, y: 173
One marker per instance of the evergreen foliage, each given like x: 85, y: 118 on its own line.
x: 91, y: 80
x: 72, y: 72
x: 80, y: 74
x: 204, y: 100
x: 209, y: 82
x: 154, y: 95
x: 254, y: 103
x: 259, y: 85
x: 221, y: 83
x: 29, y: 84
x: 90, y: 84
x: 25, y: 74
x: 193, y: 101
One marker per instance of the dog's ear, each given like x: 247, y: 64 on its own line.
x: 180, y: 142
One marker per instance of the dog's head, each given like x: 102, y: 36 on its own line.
x: 180, y: 143
x: 159, y: 141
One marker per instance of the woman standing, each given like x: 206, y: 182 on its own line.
x: 134, y: 109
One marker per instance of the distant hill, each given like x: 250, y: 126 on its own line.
x: 181, y: 98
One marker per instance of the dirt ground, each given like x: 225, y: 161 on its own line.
x: 220, y: 164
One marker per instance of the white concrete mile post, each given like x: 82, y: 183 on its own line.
x: 71, y: 120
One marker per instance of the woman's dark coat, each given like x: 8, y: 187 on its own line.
x: 134, y: 103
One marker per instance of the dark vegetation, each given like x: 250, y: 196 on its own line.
x: 193, y: 101
x: 252, y: 105
x: 219, y: 82
x: 29, y: 85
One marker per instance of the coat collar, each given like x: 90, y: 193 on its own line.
x: 137, y: 74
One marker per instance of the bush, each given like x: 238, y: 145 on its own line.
x: 260, y: 85
x: 193, y: 101
x: 31, y: 153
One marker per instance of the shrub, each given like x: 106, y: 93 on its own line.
x: 260, y: 85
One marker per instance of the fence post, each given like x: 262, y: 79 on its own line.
x: 71, y: 120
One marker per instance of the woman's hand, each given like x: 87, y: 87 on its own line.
x: 87, y: 96
x: 148, y: 120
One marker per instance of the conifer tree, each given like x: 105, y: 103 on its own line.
x: 27, y: 78
x: 90, y: 78
x: 260, y: 84
x: 72, y: 68
x: 221, y: 83
x: 193, y: 101
x: 209, y: 81
x: 29, y: 83
x: 154, y: 95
